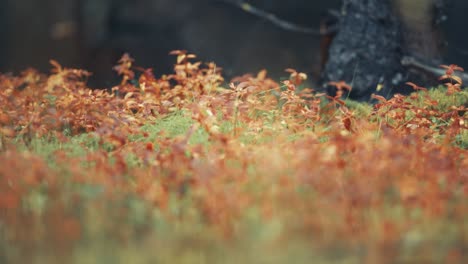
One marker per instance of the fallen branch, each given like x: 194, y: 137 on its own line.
x: 408, y: 61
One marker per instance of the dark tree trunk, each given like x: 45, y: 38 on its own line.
x: 367, y: 49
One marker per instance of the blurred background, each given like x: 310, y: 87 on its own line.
x: 93, y: 34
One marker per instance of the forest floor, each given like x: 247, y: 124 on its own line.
x: 179, y: 169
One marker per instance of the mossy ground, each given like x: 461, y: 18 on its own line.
x: 233, y: 177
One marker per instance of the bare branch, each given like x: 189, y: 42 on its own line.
x: 408, y: 61
x: 281, y: 22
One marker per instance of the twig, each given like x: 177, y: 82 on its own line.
x: 281, y: 22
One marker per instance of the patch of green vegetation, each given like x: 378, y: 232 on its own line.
x: 461, y: 140
x: 444, y: 101
x: 172, y: 125
x: 77, y: 146
x: 360, y: 109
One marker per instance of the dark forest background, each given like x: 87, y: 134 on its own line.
x: 93, y: 34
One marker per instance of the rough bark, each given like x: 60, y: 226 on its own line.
x: 366, y: 51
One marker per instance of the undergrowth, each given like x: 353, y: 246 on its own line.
x: 179, y: 169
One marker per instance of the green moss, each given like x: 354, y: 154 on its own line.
x: 175, y: 124
x: 360, y: 109
x: 444, y: 101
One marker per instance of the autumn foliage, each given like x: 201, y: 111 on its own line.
x: 382, y: 186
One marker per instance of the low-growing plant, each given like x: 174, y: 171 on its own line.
x: 179, y: 169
